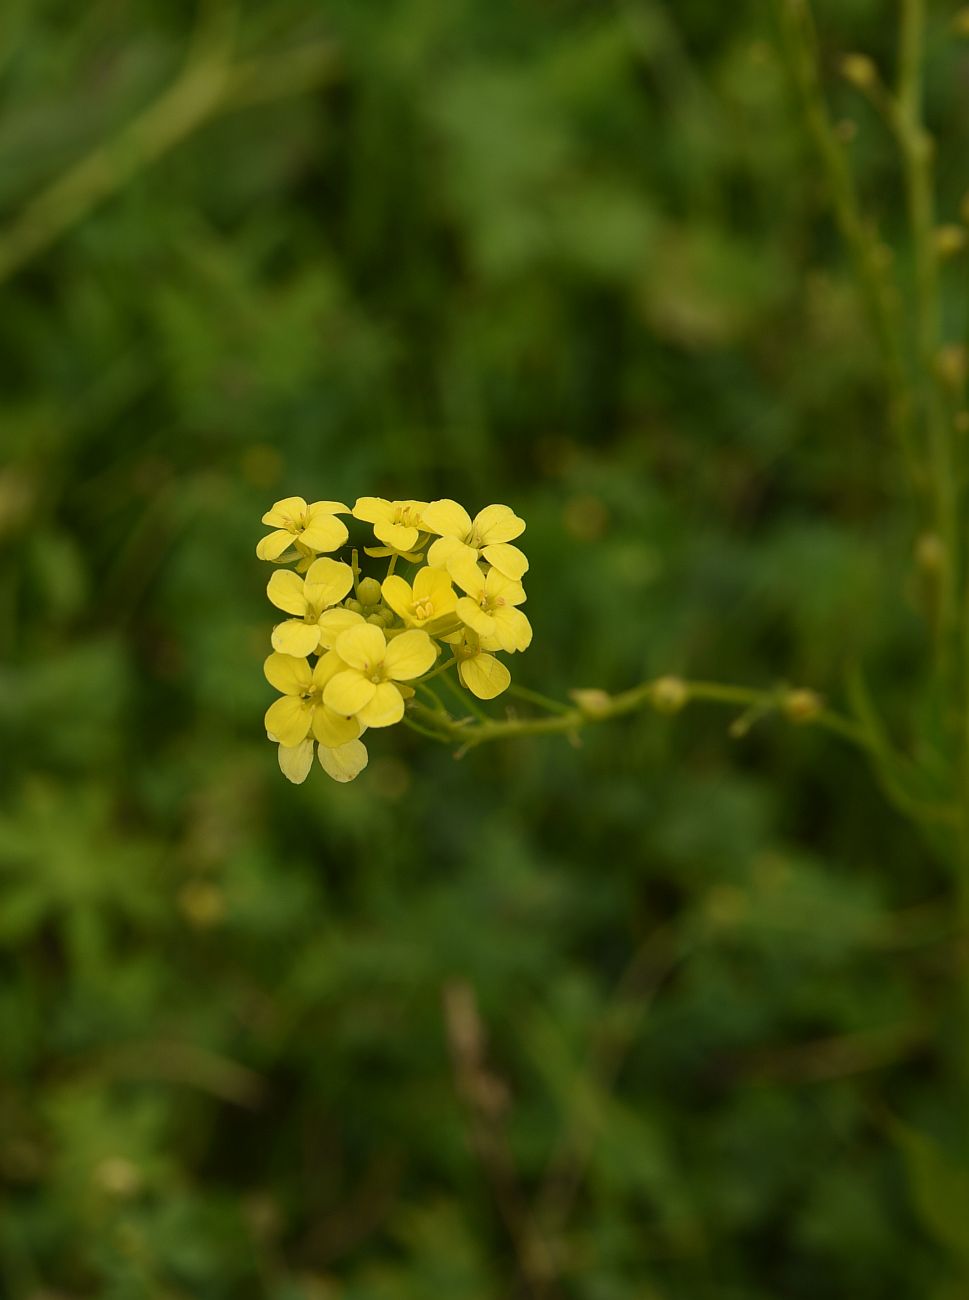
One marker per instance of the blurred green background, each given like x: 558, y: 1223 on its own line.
x: 567, y: 255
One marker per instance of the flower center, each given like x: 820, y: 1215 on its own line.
x: 423, y: 609
x: 406, y: 515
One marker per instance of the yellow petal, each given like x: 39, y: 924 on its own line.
x: 283, y: 511
x: 272, y: 545
x: 373, y: 510
x: 497, y: 524
x: 287, y: 673
x: 508, y: 560
x: 463, y: 568
x: 324, y: 533
x: 327, y: 666
x: 512, y: 629
x: 332, y: 728
x: 285, y: 590
x: 484, y: 676
x: 381, y: 553
x: 440, y: 551
x: 326, y: 508
x: 295, y: 761
x: 335, y: 621
x: 398, y: 595
x: 501, y: 588
x: 447, y: 518
x: 409, y: 655
x: 296, y: 638
x: 348, y: 692
x: 345, y: 762
x: 431, y: 584
x: 362, y: 647
x: 330, y: 579
x: 399, y: 537
x: 289, y: 719
x: 474, y: 616
x: 386, y: 707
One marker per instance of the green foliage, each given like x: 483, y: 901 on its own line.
x: 572, y: 257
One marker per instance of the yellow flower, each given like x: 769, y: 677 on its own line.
x: 395, y: 523
x: 487, y: 535
x: 478, y: 670
x: 365, y: 687
x: 301, y: 708
x: 341, y: 762
x: 430, y: 598
x: 489, y: 607
x: 335, y: 621
x: 310, y: 528
x: 326, y: 583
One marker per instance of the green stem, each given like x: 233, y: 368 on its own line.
x: 441, y: 668
x: 572, y: 720
x: 865, y: 249
x: 541, y: 701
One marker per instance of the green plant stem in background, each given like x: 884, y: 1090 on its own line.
x: 600, y: 707
x: 211, y: 83
x: 868, y: 253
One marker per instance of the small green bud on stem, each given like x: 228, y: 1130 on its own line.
x: 669, y: 694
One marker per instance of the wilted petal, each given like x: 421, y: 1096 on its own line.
x: 484, y: 676
x: 345, y: 761
x: 295, y: 761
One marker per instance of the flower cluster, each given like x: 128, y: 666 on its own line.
x: 355, y: 650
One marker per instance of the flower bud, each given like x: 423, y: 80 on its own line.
x: 951, y: 365
x: 930, y: 553
x: 669, y: 694
x: 202, y: 903
x: 801, y: 705
x: 368, y: 591
x: 950, y: 239
x: 354, y: 606
x: 118, y: 1177
x: 593, y: 702
x: 860, y: 70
